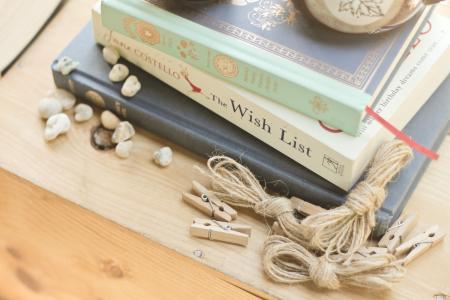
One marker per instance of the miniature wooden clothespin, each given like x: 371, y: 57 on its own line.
x: 396, y: 234
x: 206, y: 202
x: 370, y: 251
x: 302, y: 208
x: 221, y: 231
x: 420, y: 244
x: 362, y: 254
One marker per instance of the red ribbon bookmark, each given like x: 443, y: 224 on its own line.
x: 400, y: 135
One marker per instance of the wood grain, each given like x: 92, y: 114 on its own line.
x: 52, y: 249
x: 20, y: 21
x: 138, y: 195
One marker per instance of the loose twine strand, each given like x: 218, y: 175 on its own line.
x: 337, y: 233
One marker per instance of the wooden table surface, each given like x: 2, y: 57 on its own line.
x: 51, y: 248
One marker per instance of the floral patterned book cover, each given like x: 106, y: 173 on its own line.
x: 273, y: 48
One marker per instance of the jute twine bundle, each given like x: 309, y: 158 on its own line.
x: 236, y: 185
x: 287, y: 262
x: 341, y: 230
x: 345, y: 229
x: 337, y: 233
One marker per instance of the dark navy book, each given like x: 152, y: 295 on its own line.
x: 164, y: 111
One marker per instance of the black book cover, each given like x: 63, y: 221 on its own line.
x: 166, y: 112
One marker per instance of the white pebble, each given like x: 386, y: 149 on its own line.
x: 119, y: 73
x: 131, y: 86
x: 111, y: 55
x: 123, y: 149
x: 123, y: 132
x: 66, y: 98
x: 109, y: 120
x: 83, y: 112
x: 49, y: 107
x: 163, y: 157
x: 56, y: 125
x: 66, y: 65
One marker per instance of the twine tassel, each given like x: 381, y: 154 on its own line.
x: 345, y: 229
x: 287, y: 262
x: 236, y: 185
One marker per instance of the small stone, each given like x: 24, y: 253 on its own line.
x: 131, y: 86
x: 119, y: 73
x: 83, y: 112
x: 56, y: 125
x: 123, y: 149
x: 66, y: 98
x: 101, y: 138
x: 163, y: 157
x: 123, y: 132
x: 49, y: 107
x: 66, y: 65
x: 109, y: 120
x: 111, y: 55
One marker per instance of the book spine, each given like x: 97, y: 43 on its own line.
x: 302, y: 90
x: 218, y: 97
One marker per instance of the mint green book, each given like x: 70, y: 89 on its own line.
x: 272, y: 49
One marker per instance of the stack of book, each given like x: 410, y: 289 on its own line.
x: 263, y: 83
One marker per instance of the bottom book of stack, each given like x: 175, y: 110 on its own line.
x: 164, y: 111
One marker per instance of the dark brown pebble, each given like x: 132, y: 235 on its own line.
x: 101, y: 138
